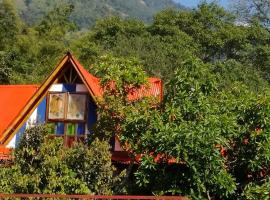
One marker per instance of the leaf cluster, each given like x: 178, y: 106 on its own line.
x: 44, y: 165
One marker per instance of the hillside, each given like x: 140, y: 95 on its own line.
x: 87, y: 12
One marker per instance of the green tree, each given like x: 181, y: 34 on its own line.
x: 129, y: 38
x: 209, y: 32
x: 56, y: 23
x: 5, y: 68
x: 9, y: 24
x: 44, y: 165
x: 200, y: 127
x: 39, y: 48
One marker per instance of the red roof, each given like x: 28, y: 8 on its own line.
x: 154, y: 88
x: 5, y: 153
x: 91, y: 81
x: 12, y: 101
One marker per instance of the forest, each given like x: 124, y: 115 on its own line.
x: 214, y: 120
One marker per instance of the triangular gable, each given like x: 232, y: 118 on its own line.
x: 37, y: 97
x: 91, y: 82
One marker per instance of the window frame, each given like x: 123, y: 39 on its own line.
x: 48, y: 97
x: 85, y: 106
x: 67, y: 138
x: 65, y: 120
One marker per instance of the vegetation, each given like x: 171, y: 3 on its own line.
x: 44, y: 165
x: 208, y: 139
x: 217, y: 138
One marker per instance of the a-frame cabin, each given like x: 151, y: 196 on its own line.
x: 66, y: 100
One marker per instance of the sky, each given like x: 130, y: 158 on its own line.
x: 194, y: 3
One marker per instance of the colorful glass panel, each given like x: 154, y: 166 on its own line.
x: 70, y: 129
x: 60, y: 128
x: 81, y: 129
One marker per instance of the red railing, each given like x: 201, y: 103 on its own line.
x: 92, y: 197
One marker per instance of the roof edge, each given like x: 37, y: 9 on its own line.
x: 31, y: 104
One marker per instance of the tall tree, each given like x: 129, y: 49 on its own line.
x: 39, y: 47
x: 5, y: 70
x: 204, y: 127
x: 9, y: 23
x: 57, y: 22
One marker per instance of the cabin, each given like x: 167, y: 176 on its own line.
x: 67, y: 100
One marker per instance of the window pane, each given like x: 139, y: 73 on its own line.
x: 60, y: 128
x: 80, y: 129
x: 70, y: 129
x: 56, y: 106
x: 76, y: 107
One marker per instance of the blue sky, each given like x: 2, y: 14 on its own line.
x: 194, y: 3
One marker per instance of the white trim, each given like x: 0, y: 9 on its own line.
x: 12, y: 143
x: 56, y: 88
x: 32, y: 121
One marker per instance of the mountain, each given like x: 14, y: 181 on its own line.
x: 86, y: 12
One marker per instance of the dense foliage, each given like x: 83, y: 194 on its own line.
x: 205, y: 141
x: 208, y: 139
x: 44, y: 165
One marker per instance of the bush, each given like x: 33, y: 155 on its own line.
x: 44, y: 165
x: 258, y: 191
